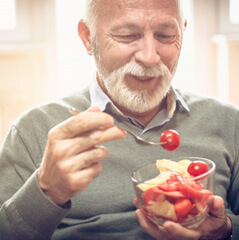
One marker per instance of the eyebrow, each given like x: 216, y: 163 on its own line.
x: 168, y: 25
x: 125, y: 25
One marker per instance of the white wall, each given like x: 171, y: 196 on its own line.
x: 73, y: 61
x: 27, y: 61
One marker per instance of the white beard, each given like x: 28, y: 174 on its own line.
x: 136, y: 101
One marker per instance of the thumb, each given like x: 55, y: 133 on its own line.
x: 93, y: 109
x: 216, y: 206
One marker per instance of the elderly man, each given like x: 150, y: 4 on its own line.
x: 56, y: 182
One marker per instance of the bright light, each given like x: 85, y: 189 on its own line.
x: 74, y: 64
x: 7, y: 15
x: 234, y: 11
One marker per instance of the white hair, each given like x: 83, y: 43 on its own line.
x: 91, y: 15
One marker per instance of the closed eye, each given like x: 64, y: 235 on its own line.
x: 165, y: 38
x: 126, y: 38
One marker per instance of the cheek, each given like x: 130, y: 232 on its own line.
x: 115, y: 55
x: 169, y: 56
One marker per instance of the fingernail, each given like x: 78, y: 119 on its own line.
x: 73, y: 111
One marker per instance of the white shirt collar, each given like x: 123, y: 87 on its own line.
x: 100, y: 99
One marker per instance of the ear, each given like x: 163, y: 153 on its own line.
x: 84, y: 34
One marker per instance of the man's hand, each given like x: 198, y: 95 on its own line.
x: 216, y: 225
x: 73, y: 154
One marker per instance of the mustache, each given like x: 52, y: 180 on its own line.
x: 137, y: 70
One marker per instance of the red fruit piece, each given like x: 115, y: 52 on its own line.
x: 168, y: 187
x: 183, y: 207
x: 151, y: 195
x: 157, y: 194
x: 192, y: 192
x: 173, y: 195
x: 170, y: 140
x: 197, y: 168
x: 171, y: 183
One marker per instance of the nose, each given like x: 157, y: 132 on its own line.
x: 147, y: 53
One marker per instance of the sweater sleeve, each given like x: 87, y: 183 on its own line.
x: 26, y: 212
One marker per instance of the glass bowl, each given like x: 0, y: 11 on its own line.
x: 170, y: 193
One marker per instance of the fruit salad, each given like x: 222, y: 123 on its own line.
x: 178, y: 192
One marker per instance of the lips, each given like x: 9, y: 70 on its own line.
x: 143, y: 78
x: 141, y: 82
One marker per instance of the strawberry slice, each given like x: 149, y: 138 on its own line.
x: 173, y: 195
x: 156, y: 194
x: 168, y: 187
x: 151, y: 195
x: 183, y: 207
x: 193, y: 193
x: 171, y: 183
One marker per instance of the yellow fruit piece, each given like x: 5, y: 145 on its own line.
x: 162, y: 177
x: 160, y: 198
x: 185, y: 163
x: 163, y: 209
x: 169, y: 165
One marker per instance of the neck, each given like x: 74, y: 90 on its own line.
x: 144, y: 117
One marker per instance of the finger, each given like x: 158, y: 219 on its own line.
x: 93, y: 109
x: 216, y: 206
x: 97, y: 137
x: 58, y: 151
x: 86, y: 159
x: 170, y: 229
x: 81, y: 123
x: 136, y: 203
x: 221, y: 224
x: 74, y: 111
x: 176, y: 231
x: 80, y: 180
x: 148, y: 226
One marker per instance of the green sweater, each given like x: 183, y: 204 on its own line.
x: 106, y: 210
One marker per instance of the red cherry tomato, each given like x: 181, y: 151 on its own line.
x: 170, y: 140
x: 197, y: 168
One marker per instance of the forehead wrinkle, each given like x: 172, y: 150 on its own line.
x: 115, y: 8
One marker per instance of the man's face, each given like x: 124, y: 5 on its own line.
x: 137, y: 47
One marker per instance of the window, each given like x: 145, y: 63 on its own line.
x: 234, y: 10
x: 15, y: 20
x: 227, y: 18
x: 7, y: 15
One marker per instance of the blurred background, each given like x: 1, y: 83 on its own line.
x: 42, y: 57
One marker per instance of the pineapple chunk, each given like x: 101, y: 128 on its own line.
x: 169, y: 165
x: 163, y: 209
x: 154, y: 182
x: 185, y: 163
